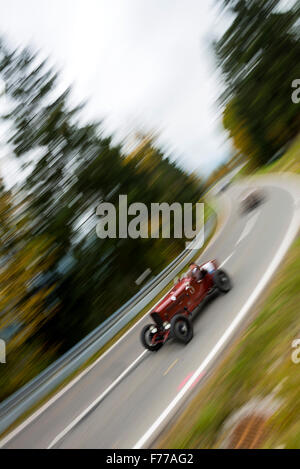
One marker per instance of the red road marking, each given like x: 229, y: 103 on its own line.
x: 184, y: 381
x: 193, y: 383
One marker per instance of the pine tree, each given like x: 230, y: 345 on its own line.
x: 23, y: 263
x: 259, y: 55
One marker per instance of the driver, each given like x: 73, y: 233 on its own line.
x: 195, y: 272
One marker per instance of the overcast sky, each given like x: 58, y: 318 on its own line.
x: 140, y: 63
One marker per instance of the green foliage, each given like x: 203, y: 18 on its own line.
x: 259, y: 55
x: 71, y: 168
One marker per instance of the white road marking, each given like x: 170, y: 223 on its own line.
x: 42, y: 409
x: 226, y: 260
x: 289, y: 237
x: 249, y: 226
x: 97, y: 401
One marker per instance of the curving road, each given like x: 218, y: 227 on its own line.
x: 127, y: 395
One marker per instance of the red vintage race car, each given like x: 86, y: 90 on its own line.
x: 172, y: 315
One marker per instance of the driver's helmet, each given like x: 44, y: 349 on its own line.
x: 194, y: 270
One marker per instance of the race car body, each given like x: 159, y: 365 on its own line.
x: 172, y: 315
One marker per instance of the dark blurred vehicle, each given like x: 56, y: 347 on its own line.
x: 251, y: 199
x: 172, y: 315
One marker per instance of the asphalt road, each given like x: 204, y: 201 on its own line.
x: 129, y: 394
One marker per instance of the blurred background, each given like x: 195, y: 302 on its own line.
x: 154, y: 99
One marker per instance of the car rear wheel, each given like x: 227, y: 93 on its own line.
x: 182, y: 328
x: 222, y: 281
x: 146, y: 339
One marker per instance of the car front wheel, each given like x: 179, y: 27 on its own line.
x: 222, y: 281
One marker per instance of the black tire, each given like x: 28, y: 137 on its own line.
x: 182, y: 328
x: 222, y: 281
x: 145, y: 339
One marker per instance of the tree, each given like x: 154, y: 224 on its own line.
x: 260, y: 55
x: 24, y: 262
x: 71, y: 168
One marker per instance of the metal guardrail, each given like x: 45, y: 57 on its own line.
x: 39, y: 387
